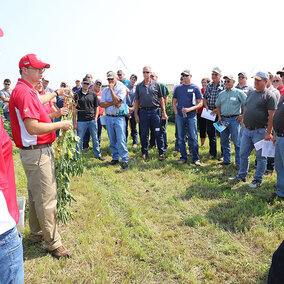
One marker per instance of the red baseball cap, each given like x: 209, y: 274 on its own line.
x: 32, y: 60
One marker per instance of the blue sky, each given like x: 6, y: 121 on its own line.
x: 79, y: 37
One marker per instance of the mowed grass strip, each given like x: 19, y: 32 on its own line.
x: 160, y: 222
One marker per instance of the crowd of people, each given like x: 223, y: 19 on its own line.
x: 248, y: 115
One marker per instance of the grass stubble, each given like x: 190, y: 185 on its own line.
x: 160, y: 222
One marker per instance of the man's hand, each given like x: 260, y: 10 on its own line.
x: 185, y: 110
x: 239, y: 118
x: 111, y: 85
x: 66, y: 124
x: 137, y: 118
x: 64, y: 92
x: 164, y: 116
x: 61, y: 111
x: 268, y: 136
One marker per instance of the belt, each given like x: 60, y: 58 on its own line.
x: 112, y: 115
x: 280, y: 134
x: 254, y: 128
x: 34, y: 147
x: 148, y: 108
x: 230, y: 116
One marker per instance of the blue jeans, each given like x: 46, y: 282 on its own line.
x: 87, y: 135
x: 134, y: 133
x: 233, y: 130
x: 11, y: 257
x: 117, y: 139
x: 150, y: 119
x: 279, y: 165
x: 249, y: 138
x: 7, y: 116
x: 191, y: 123
x: 92, y: 127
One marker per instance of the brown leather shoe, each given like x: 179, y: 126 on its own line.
x: 61, y: 252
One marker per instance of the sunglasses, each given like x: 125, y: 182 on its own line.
x: 241, y: 77
x: 41, y: 70
x: 7, y: 84
x: 183, y: 75
x: 275, y: 81
x: 215, y: 74
x: 98, y: 84
x: 227, y: 81
x: 146, y: 72
x: 85, y: 83
x: 110, y: 79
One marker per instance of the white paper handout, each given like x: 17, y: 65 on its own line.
x: 258, y: 145
x: 268, y: 149
x: 207, y: 114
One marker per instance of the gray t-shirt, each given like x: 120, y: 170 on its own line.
x: 257, y: 106
x: 6, y: 94
x: 246, y: 89
x: 148, y: 96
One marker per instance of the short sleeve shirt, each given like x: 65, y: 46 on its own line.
x: 257, y: 106
x: 130, y: 99
x: 164, y: 89
x: 120, y: 91
x: 186, y: 96
x: 246, y: 89
x: 212, y: 92
x: 6, y: 94
x: 85, y: 105
x: 148, y: 96
x: 278, y: 118
x: 24, y: 103
x: 231, y: 102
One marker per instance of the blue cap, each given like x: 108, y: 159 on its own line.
x: 260, y: 75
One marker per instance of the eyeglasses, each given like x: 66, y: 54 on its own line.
x: 7, y: 84
x: 85, y: 83
x: 110, y: 79
x: 241, y: 77
x: 227, y: 81
x: 183, y: 75
x: 275, y: 81
x: 41, y: 70
x: 98, y: 84
x: 146, y: 72
x: 215, y: 74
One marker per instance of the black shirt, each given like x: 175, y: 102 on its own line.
x: 85, y: 105
x: 278, y: 119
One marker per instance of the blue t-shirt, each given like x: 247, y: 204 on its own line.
x: 187, y: 96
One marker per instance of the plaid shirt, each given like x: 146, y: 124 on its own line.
x: 211, y: 94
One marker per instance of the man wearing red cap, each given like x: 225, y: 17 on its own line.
x: 33, y: 132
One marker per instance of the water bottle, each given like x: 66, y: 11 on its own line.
x: 184, y: 114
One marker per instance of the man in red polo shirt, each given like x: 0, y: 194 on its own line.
x: 33, y: 132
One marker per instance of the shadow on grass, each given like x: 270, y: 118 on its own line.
x: 33, y: 250
x: 236, y: 207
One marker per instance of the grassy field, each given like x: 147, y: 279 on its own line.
x: 160, y: 222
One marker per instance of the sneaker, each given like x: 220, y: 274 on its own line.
x: 161, y: 158
x: 113, y: 162
x: 61, y: 252
x: 237, y: 179
x: 224, y: 163
x: 255, y: 184
x: 135, y: 145
x: 124, y: 165
x: 181, y: 161
x: 101, y: 158
x: 221, y: 159
x: 197, y: 163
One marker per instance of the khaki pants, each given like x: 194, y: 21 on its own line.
x: 39, y: 166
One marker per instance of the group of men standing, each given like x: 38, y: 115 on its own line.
x: 143, y: 104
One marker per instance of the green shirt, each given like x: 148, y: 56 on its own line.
x: 231, y: 102
x: 164, y: 89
